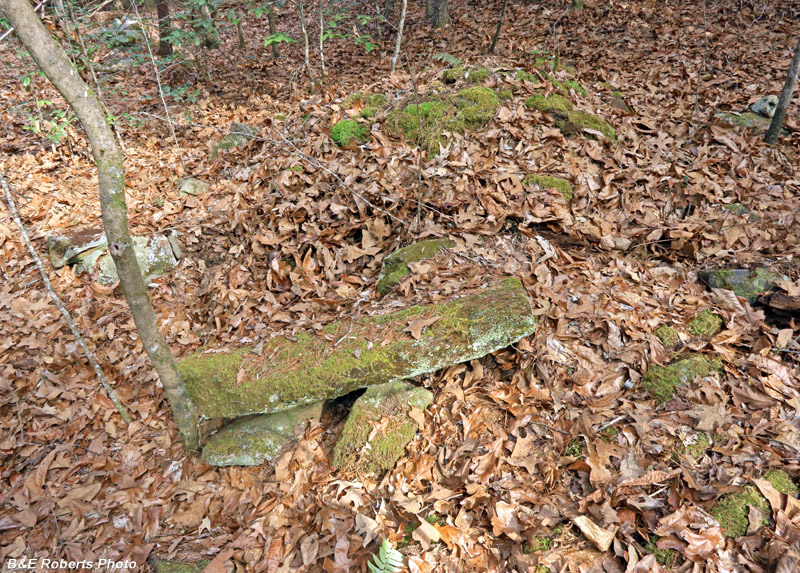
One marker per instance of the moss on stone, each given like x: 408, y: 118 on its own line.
x: 452, y: 75
x: 252, y: 440
x: 179, y: 567
x: 705, y: 324
x: 238, y: 135
x: 395, y: 266
x: 747, y: 283
x: 505, y: 95
x: 379, y: 428
x: 573, y: 85
x: 549, y: 103
x: 660, y: 382
x: 426, y: 123
x: 731, y: 511
x: 781, y: 481
x: 546, y: 182
x: 584, y: 120
x: 478, y: 75
x: 668, y: 336
x: 371, y: 103
x: 348, y: 355
x: 347, y: 131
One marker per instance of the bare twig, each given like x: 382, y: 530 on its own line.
x: 57, y: 301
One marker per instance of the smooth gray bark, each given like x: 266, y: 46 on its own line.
x: 399, y: 42
x: 53, y: 61
x: 786, y: 96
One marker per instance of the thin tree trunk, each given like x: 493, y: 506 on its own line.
x: 499, y: 25
x: 242, y: 44
x: 786, y: 95
x: 441, y: 13
x: 208, y: 31
x: 399, y: 41
x: 429, y: 10
x: 273, y: 29
x: 107, y: 155
x: 164, y: 27
x: 306, y: 53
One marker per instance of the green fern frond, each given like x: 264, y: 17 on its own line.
x: 387, y: 560
x: 447, y: 59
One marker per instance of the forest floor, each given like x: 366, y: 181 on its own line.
x: 548, y: 455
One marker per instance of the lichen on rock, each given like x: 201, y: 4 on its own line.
x: 379, y: 428
x: 238, y: 135
x: 660, y: 382
x: 395, y: 266
x: 252, y: 440
x: 348, y: 355
x: 747, y: 283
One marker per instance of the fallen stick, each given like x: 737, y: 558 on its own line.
x: 64, y: 312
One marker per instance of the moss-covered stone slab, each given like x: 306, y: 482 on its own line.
x: 65, y: 247
x: 668, y: 336
x: 747, y: 283
x: 469, y: 75
x: 238, y: 135
x: 379, y: 428
x: 253, y: 440
x: 660, y: 382
x: 746, y: 119
x: 568, y: 119
x: 348, y: 355
x: 395, y: 266
x: 160, y: 566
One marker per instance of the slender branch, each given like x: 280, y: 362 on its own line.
x: 57, y: 301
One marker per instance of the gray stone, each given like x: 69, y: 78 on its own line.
x: 238, y: 135
x: 765, y: 107
x: 750, y: 284
x: 252, y: 440
x: 193, y: 187
x: 154, y: 255
x: 162, y: 566
x: 348, y: 355
x: 66, y: 247
x: 379, y: 428
x: 744, y: 119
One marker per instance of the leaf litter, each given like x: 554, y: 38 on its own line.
x: 552, y: 439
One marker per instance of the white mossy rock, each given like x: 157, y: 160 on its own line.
x: 193, y: 187
x: 68, y: 246
x: 766, y: 106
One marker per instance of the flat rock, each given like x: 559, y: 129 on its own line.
x: 154, y: 255
x: 395, y: 266
x: 163, y: 566
x: 746, y: 119
x: 238, y: 135
x: 379, y: 428
x: 765, y: 106
x: 253, y: 440
x: 194, y: 187
x: 348, y: 355
x: 744, y: 282
x: 66, y: 246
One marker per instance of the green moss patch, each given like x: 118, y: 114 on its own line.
x: 347, y: 131
x: 549, y: 103
x: 545, y: 182
x: 379, y: 428
x: 666, y: 557
x: 469, y: 75
x: 668, y: 336
x: 706, y: 324
x: 371, y: 103
x: 697, y: 448
x: 781, y: 481
x: 579, y: 120
x: 428, y: 122
x: 395, y: 266
x: 660, y: 382
x: 731, y: 511
x: 348, y: 355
